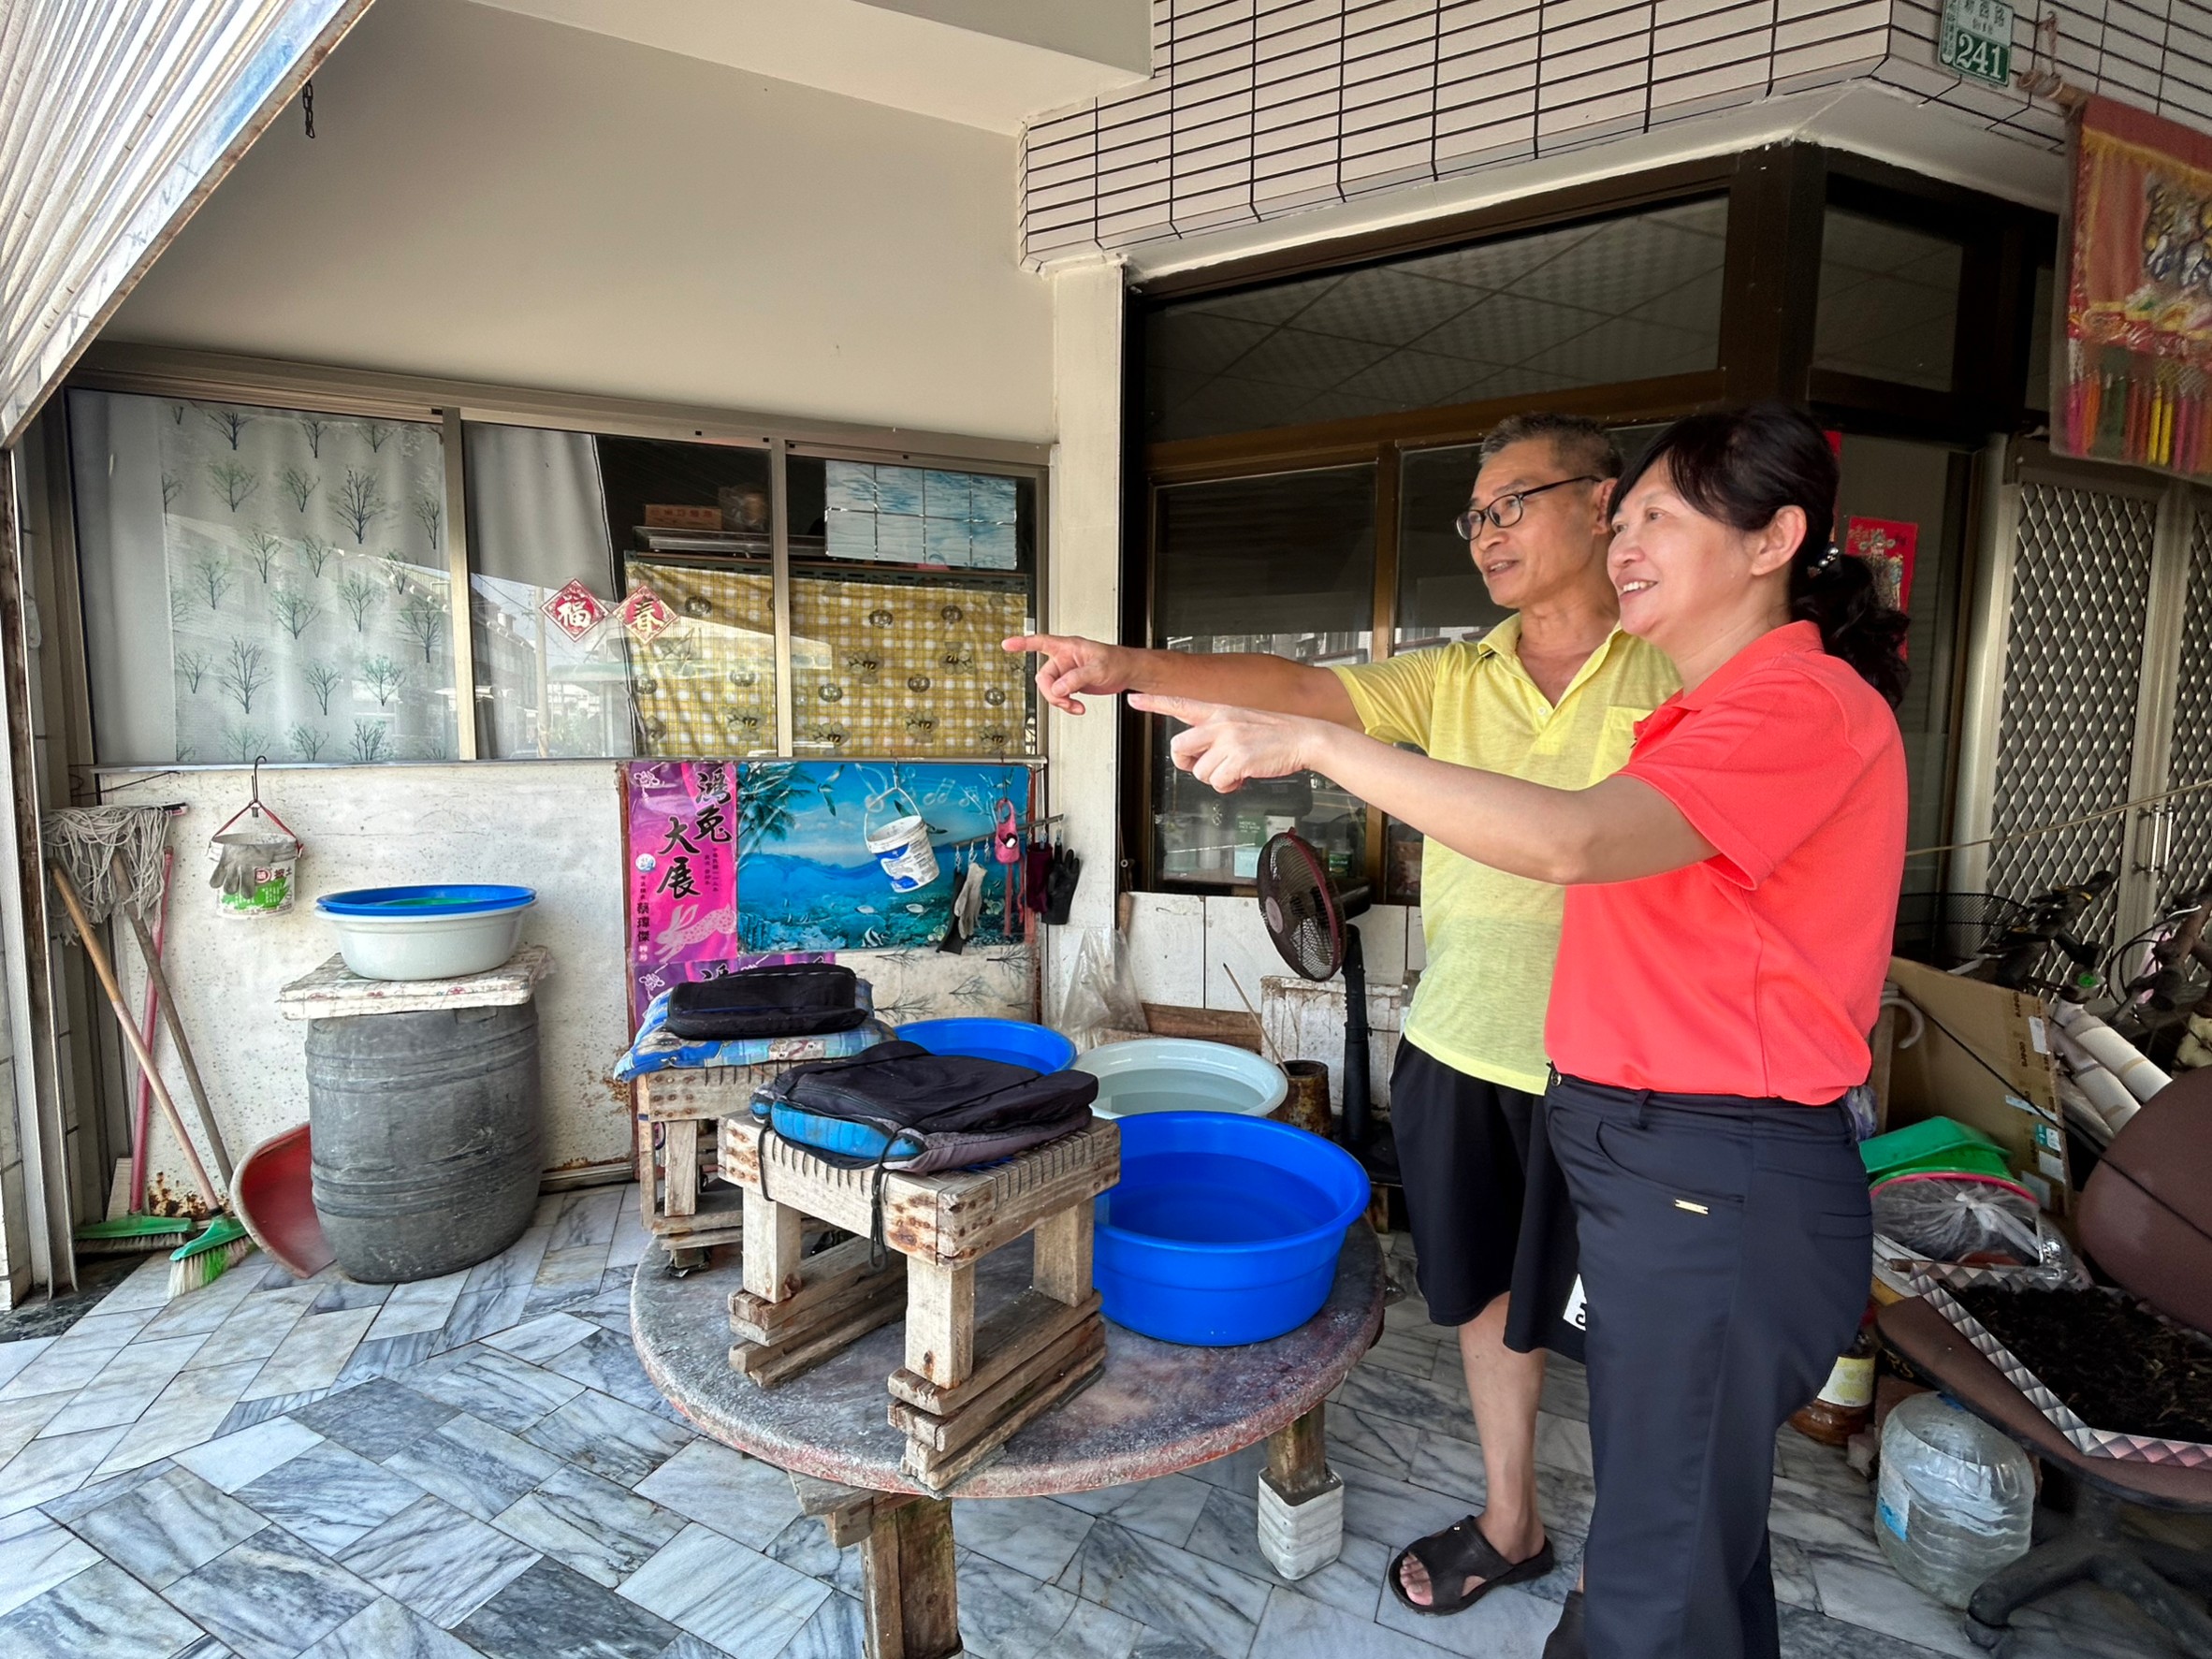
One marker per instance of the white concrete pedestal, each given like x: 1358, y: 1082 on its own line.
x: 1301, y: 1538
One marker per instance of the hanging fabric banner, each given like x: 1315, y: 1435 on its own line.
x: 2134, y: 381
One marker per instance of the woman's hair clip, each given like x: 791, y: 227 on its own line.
x: 1826, y: 560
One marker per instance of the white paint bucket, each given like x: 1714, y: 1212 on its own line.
x: 902, y: 847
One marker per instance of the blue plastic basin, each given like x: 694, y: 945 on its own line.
x: 1015, y: 1042
x: 1223, y: 1230
x: 462, y: 899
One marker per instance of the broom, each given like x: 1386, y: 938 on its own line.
x: 224, y: 1241
x: 129, y: 1229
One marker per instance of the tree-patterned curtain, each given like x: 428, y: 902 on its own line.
x: 310, y: 600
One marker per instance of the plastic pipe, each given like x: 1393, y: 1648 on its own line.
x: 2107, y: 1096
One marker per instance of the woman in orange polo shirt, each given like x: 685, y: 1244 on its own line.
x: 1732, y: 892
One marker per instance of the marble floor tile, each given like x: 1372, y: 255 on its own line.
x: 418, y: 1308
x: 1033, y: 1535
x: 96, y: 1492
x: 1563, y: 1443
x: 575, y: 1268
x: 386, y: 1630
x: 1298, y: 1628
x: 479, y: 1314
x: 591, y: 1525
x: 1408, y: 1355
x: 1509, y: 1623
x: 48, y: 1469
x: 837, y: 1630
x: 588, y: 1219
x: 246, y: 1413
x: 613, y: 1440
x: 255, y: 1327
x: 1423, y: 1402
x: 539, y: 1339
x: 232, y: 1461
x: 126, y: 1385
x: 329, y: 1496
x: 631, y: 1240
x: 147, y: 1286
x: 476, y: 1468
x: 388, y: 1356
x: 550, y: 1612
x: 167, y: 1528
x: 723, y: 1592
x: 437, y: 1560
x: 1228, y: 1532
x: 1808, y: 1636
x: 1566, y: 1388
x: 1239, y: 1470
x: 22, y: 1420
x: 1005, y: 1614
x: 205, y: 1309
x: 609, y: 1363
x: 1381, y: 1443
x: 1395, y: 1512
x: 1874, y: 1597
x: 804, y: 1547
x: 1165, y: 1588
x: 500, y: 1389
x: 183, y: 1414
x: 14, y: 1356
x: 34, y: 1561
x: 348, y: 1293
x: 270, y: 1596
x: 1166, y: 1508
x: 1794, y: 1585
x: 311, y: 1354
x: 1834, y: 1523
x: 74, y: 1358
x: 377, y: 1419
x: 99, y: 1613
x: 738, y: 1496
x: 514, y: 1267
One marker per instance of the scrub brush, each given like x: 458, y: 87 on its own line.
x: 208, y: 1257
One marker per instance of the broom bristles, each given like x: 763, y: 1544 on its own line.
x: 196, y: 1271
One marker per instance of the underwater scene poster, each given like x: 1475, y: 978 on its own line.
x: 806, y: 880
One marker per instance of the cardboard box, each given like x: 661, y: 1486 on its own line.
x: 1984, y: 1059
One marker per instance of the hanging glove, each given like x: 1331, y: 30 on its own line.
x: 1059, y: 887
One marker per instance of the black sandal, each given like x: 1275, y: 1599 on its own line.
x: 1565, y: 1641
x: 1456, y: 1554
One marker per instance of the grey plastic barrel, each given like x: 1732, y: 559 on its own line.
x: 428, y: 1137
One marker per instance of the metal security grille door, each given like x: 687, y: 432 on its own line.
x: 2090, y: 685
x: 2187, y: 854
x: 2073, y: 661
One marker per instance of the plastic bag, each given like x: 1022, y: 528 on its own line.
x: 1101, y: 994
x: 1969, y: 1220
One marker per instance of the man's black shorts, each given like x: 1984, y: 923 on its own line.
x: 1464, y: 1153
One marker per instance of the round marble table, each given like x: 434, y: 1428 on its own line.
x: 1155, y: 1409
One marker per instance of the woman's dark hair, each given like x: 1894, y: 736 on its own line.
x: 1742, y: 466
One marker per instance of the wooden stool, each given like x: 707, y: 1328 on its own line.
x: 966, y: 1388
x: 674, y: 1158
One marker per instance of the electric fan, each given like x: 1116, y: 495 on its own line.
x: 1309, y: 921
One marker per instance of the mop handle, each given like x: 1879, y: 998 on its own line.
x: 122, y: 1017
x: 142, y: 1101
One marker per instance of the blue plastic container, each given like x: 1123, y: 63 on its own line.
x: 453, y: 899
x: 1224, y: 1230
x: 1015, y: 1042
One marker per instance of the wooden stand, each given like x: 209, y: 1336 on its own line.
x: 677, y: 1154
x: 966, y: 1388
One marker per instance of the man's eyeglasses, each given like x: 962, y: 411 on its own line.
x: 1505, y: 513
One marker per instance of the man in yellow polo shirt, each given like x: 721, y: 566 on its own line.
x: 1552, y: 695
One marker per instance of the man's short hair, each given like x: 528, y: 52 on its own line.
x: 1578, y: 442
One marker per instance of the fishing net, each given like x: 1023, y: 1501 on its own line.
x: 86, y: 840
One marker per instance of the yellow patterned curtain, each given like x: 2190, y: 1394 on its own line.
x: 887, y: 668
x: 707, y: 686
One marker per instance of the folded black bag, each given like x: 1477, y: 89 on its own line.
x: 899, y: 1107
x: 795, y: 999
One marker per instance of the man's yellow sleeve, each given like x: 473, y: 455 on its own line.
x: 1394, y: 698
